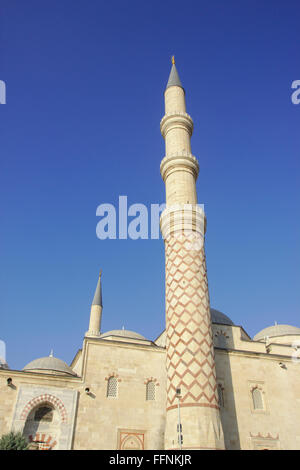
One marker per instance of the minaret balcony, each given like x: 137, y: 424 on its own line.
x: 183, y: 220
x: 179, y: 162
x: 176, y: 120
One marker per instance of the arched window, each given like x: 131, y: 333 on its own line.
x: 112, y: 387
x: 43, y: 413
x: 221, y: 395
x: 150, y: 390
x: 221, y: 340
x: 257, y: 399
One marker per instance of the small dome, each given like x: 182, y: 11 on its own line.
x: 51, y: 364
x: 277, y: 330
x: 3, y: 364
x: 123, y: 333
x: 219, y: 317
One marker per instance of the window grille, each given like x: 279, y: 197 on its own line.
x: 150, y: 391
x: 222, y: 343
x: 257, y: 399
x: 112, y: 387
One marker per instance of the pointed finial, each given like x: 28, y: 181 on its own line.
x: 174, y: 79
x: 98, y: 293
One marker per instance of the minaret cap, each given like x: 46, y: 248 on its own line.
x: 98, y: 293
x: 174, y: 79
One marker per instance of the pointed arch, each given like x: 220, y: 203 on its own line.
x: 44, y: 399
x: 132, y: 441
x: 257, y: 398
x: 112, y: 387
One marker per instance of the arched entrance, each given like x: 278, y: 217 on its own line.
x: 43, y: 417
x: 42, y: 427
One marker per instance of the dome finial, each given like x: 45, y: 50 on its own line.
x: 173, y: 60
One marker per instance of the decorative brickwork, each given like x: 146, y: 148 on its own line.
x: 42, y: 442
x: 261, y: 441
x: 221, y: 333
x: 113, y: 374
x: 130, y: 440
x: 266, y: 436
x: 151, y: 379
x: 221, y: 339
x: 190, y: 353
x: 43, y: 399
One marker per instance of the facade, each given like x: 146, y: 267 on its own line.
x: 202, y: 384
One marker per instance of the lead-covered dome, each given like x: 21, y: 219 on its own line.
x: 277, y: 331
x: 219, y: 317
x: 123, y: 333
x: 49, y: 365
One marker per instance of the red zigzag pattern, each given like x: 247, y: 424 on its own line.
x: 190, y: 352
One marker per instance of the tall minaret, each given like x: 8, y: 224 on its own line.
x: 190, y: 354
x: 96, y: 312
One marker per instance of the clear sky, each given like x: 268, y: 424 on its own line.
x: 85, y: 82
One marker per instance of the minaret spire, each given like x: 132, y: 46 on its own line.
x: 98, y: 292
x: 96, y: 311
x: 189, y: 344
x: 174, y: 79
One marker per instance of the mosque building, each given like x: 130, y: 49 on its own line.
x: 202, y: 384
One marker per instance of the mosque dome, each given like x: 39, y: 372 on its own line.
x: 219, y: 317
x: 123, y: 333
x: 277, y: 331
x: 50, y: 365
x: 216, y: 317
x: 3, y: 364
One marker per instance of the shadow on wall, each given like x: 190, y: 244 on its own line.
x: 228, y: 410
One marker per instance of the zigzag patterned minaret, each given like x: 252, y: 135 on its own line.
x: 190, y: 353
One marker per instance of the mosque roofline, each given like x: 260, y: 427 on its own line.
x: 75, y: 357
x: 269, y: 355
x: 41, y: 374
x: 146, y: 343
x: 221, y: 324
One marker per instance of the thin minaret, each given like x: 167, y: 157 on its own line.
x: 190, y: 353
x: 96, y: 311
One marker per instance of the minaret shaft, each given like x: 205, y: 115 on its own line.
x: 177, y: 136
x: 95, y: 321
x: 190, y: 353
x: 179, y: 168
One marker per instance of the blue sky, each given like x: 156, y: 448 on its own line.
x: 85, y: 84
